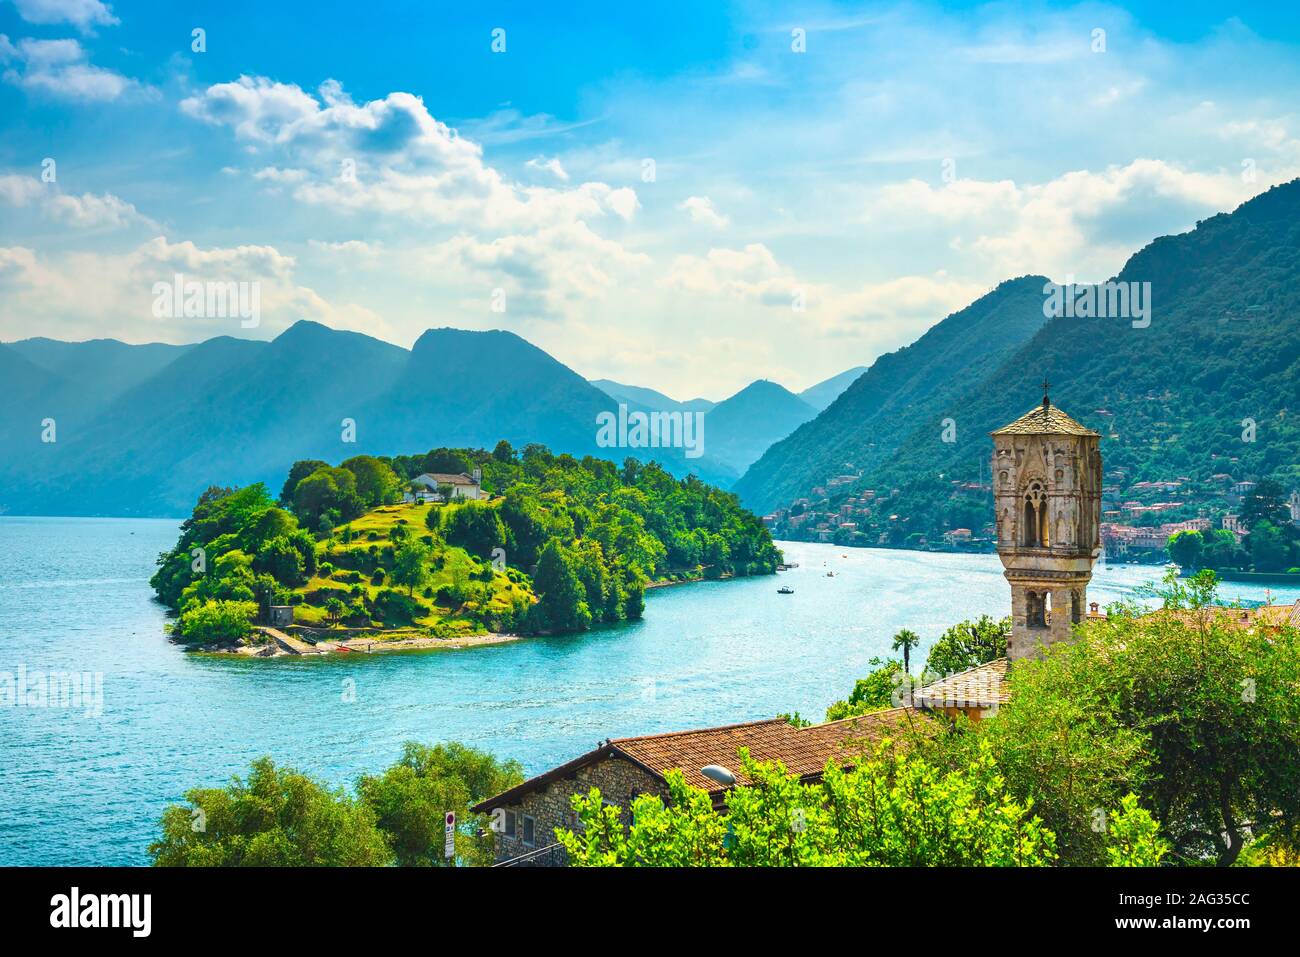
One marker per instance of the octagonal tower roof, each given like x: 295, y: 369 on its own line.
x: 1045, y: 419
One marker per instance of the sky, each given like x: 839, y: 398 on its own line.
x: 685, y: 196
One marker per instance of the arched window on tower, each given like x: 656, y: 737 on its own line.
x: 1034, y: 520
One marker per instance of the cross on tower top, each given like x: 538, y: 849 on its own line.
x: 1046, y: 385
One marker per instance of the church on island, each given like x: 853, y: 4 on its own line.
x: 1047, y: 478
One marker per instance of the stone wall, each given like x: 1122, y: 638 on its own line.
x: 550, y: 807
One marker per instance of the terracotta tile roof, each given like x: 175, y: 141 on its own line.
x: 1044, y: 419
x: 984, y: 686
x: 803, y: 751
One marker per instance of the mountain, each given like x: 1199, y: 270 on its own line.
x: 1210, y: 385
x: 916, y: 384
x: 739, y: 429
x: 1207, y: 384
x: 650, y: 399
x: 146, y: 436
x: 103, y: 368
x: 822, y: 394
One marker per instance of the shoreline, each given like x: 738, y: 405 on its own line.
x: 282, y: 645
x: 358, y: 646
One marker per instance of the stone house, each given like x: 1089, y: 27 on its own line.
x: 526, y: 816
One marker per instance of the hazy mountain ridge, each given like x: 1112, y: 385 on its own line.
x: 822, y: 394
x: 233, y: 411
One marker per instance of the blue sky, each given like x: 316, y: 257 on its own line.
x: 666, y: 194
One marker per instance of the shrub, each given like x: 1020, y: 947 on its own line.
x: 221, y: 622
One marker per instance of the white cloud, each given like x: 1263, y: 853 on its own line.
x: 701, y: 210
x: 1079, y: 223
x: 391, y: 156
x: 87, y: 211
x: 62, y: 70
x: 544, y: 272
x: 82, y: 14
x: 276, y: 175
x: 89, y: 294
x: 19, y: 190
x: 552, y: 166
x: 750, y: 274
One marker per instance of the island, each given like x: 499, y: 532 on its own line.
x: 451, y: 548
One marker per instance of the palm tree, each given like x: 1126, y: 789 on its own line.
x: 906, y: 640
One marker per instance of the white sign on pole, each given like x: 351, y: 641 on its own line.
x: 449, y: 848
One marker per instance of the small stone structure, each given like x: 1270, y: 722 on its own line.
x: 279, y: 616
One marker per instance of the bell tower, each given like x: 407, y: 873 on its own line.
x: 1047, y: 499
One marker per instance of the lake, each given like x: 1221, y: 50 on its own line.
x: 81, y: 788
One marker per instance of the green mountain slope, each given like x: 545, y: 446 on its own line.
x: 1174, y: 399
x: 918, y: 383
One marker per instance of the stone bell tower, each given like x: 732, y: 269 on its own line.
x: 1047, y: 499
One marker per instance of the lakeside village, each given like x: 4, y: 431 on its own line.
x: 1138, y: 519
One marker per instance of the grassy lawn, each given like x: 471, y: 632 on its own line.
x: 455, y: 599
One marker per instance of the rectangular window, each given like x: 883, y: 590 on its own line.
x: 510, y: 824
x: 528, y: 830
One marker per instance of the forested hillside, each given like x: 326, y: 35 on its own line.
x: 1210, y: 387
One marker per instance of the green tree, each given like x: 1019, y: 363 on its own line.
x: 474, y: 526
x: 967, y: 645
x: 281, y: 559
x: 277, y: 817
x: 563, y: 600
x: 335, y: 609
x: 297, y: 472
x: 1134, y: 837
x: 327, y: 490
x: 882, y: 688
x: 410, y: 799
x: 1213, y: 705
x: 892, y: 809
x: 1266, y: 502
x: 1185, y: 549
x: 376, y: 482
x: 1269, y: 549
x: 217, y: 622
x: 410, y: 565
x: 905, y: 641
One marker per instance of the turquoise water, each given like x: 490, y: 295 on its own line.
x: 76, y: 788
